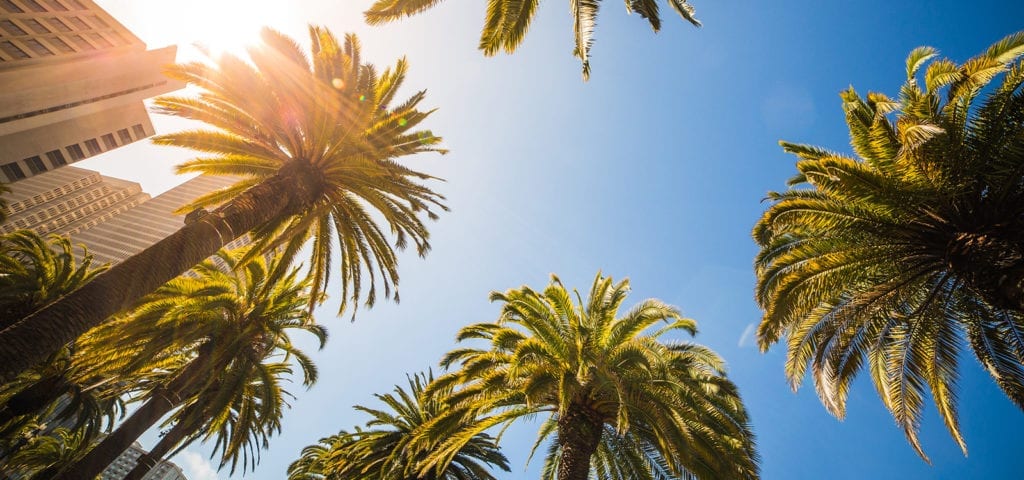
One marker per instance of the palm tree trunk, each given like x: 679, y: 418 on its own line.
x: 166, y: 444
x: 163, y: 400
x: 578, y: 436
x: 34, y: 398
x: 31, y: 340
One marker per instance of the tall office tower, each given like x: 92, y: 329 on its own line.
x: 112, y: 217
x: 126, y: 462
x: 139, y: 227
x: 72, y: 84
x: 67, y: 201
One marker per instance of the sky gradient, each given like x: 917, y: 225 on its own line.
x: 654, y: 170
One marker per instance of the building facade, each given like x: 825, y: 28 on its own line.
x: 72, y: 84
x: 126, y: 462
x: 113, y: 218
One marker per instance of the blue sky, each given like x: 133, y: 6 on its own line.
x: 654, y: 169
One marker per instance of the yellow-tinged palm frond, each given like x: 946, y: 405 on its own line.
x: 231, y: 319
x: 389, y: 446
x: 333, y: 126
x: 886, y: 260
x: 506, y: 22
x: 36, y: 270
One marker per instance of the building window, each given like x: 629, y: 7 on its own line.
x: 75, y: 151
x: 76, y: 4
x: 60, y: 44
x: 37, y: 47
x: 12, y: 50
x: 34, y: 5
x: 126, y: 137
x: 99, y: 22
x: 11, y: 6
x: 11, y: 28
x: 35, y: 164
x: 82, y: 43
x: 36, y: 26
x: 93, y: 146
x: 109, y: 142
x: 54, y: 4
x: 78, y: 23
x: 56, y: 158
x: 99, y: 40
x: 13, y: 171
x: 59, y: 25
x: 140, y: 132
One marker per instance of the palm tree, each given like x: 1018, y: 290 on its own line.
x: 604, y: 382
x: 316, y: 140
x: 388, y: 447
x: 508, y: 20
x: 228, y: 327
x: 36, y: 270
x: 60, y: 447
x: 898, y: 254
x: 69, y: 390
x: 33, y: 272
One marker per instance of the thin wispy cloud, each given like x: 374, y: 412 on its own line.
x: 747, y: 337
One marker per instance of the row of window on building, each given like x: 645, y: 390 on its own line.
x: 56, y: 158
x: 31, y: 37
x: 21, y: 6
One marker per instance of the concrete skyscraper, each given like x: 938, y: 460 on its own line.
x: 72, y: 84
x: 114, y: 218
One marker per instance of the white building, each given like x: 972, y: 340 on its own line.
x: 126, y: 462
x: 72, y: 84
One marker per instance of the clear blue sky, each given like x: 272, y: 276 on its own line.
x: 655, y: 170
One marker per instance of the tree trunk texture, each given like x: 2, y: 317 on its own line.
x: 993, y: 264
x: 579, y: 434
x: 167, y: 443
x: 161, y: 403
x: 34, y: 398
x: 34, y: 338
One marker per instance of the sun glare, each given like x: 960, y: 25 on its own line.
x: 218, y: 26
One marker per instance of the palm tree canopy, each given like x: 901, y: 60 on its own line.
x: 36, y: 270
x: 910, y: 248
x: 59, y: 447
x: 669, y: 401
x: 316, y: 140
x: 507, y: 21
x: 336, y: 125
x: 242, y: 315
x: 389, y: 447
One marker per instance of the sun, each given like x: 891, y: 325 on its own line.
x: 218, y: 26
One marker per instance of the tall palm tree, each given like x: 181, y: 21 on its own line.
x: 898, y: 254
x: 508, y: 21
x: 36, y: 270
x: 604, y: 381
x: 316, y: 141
x: 229, y: 326
x: 387, y: 448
